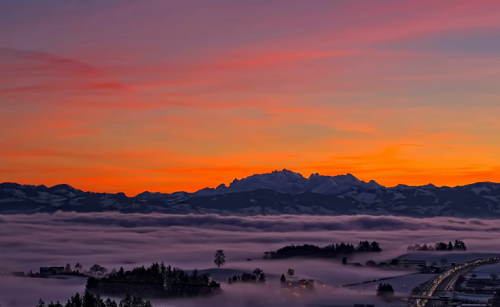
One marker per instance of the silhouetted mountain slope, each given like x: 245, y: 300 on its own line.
x: 279, y: 192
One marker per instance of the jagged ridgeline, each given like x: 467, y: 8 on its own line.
x: 332, y: 250
x: 157, y: 281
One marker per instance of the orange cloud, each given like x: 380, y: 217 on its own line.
x: 399, y: 93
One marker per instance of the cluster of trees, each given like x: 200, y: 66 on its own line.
x: 157, y: 281
x: 90, y: 300
x: 290, y: 273
x: 77, y: 268
x: 385, y: 290
x: 327, y: 251
x: 459, y: 245
x: 257, y: 276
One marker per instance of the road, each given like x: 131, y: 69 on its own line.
x: 444, y: 282
x: 376, y: 280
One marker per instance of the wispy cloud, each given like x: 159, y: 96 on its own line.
x: 330, y: 87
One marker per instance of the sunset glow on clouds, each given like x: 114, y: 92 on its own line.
x: 179, y: 95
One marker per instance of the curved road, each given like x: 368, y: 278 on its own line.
x: 445, y: 281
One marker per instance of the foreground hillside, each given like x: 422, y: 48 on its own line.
x: 279, y: 192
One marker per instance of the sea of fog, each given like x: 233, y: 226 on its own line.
x: 116, y: 240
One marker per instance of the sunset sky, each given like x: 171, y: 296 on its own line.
x: 127, y: 95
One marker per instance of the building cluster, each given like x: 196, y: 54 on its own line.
x: 302, y: 283
x: 44, y: 272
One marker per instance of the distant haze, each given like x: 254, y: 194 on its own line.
x: 114, y: 240
x: 189, y: 241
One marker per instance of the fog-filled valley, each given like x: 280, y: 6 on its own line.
x: 249, y: 153
x: 116, y: 240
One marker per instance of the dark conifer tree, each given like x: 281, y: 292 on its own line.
x: 283, y: 279
x: 75, y: 301
x: 385, y: 290
x: 89, y: 300
x: 126, y: 301
x: 110, y: 303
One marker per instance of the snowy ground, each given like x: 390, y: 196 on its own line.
x: 485, y: 271
x: 482, y: 298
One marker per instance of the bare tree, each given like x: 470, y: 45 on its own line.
x: 290, y: 272
x: 67, y: 268
x: 96, y: 268
x: 78, y: 266
x: 220, y: 258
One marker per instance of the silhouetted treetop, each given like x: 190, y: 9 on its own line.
x: 92, y: 300
x: 327, y: 251
x: 385, y: 290
x: 220, y: 258
x: 440, y: 246
x: 257, y: 276
x: 156, y: 281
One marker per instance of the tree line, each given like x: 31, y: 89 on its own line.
x: 256, y: 276
x: 91, y: 300
x: 440, y: 246
x: 157, y: 281
x: 385, y: 290
x: 327, y: 251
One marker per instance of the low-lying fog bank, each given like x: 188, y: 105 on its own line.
x: 128, y: 240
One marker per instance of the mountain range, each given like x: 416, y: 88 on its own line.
x: 278, y: 192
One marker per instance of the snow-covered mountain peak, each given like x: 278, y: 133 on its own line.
x: 284, y: 181
x: 63, y: 187
x: 278, y: 192
x: 287, y: 181
x: 287, y: 174
x: 429, y: 186
x: 148, y: 195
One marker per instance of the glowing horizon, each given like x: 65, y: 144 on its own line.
x: 120, y: 96
x: 215, y: 184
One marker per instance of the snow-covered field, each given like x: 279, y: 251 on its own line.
x: 479, y: 298
x: 486, y: 271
